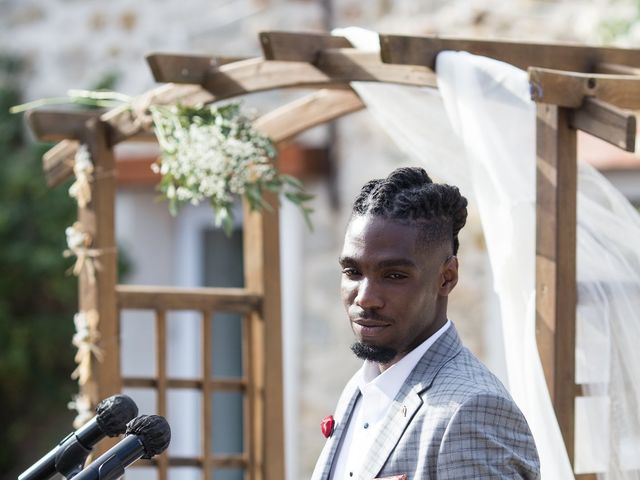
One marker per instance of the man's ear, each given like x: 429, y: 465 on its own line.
x: 448, y: 275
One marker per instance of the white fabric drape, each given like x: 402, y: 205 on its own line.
x: 487, y: 148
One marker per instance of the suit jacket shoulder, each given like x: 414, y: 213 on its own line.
x: 464, y: 422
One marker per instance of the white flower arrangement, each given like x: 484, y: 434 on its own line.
x: 213, y: 153
x: 208, y: 153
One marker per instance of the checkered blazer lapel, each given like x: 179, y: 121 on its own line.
x: 327, y: 456
x: 408, y: 401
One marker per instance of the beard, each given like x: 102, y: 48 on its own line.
x: 373, y: 353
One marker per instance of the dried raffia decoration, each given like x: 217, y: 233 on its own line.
x: 79, y: 242
x: 81, y: 403
x: 86, y: 341
x: 83, y: 170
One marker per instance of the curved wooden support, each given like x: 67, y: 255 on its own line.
x: 308, y: 112
x: 58, y: 161
x: 333, y: 69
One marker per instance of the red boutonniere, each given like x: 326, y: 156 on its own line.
x: 327, y: 425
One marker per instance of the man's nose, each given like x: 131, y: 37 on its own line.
x: 368, y: 295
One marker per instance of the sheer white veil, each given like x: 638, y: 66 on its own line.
x: 478, y: 132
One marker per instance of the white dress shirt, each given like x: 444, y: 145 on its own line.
x: 377, y: 393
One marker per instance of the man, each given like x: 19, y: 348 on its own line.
x: 421, y: 405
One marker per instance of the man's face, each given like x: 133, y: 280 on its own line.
x: 394, y: 287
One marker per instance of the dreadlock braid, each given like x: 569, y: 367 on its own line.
x: 408, y: 194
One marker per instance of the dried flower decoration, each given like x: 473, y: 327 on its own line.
x: 78, y: 243
x: 86, y: 341
x: 81, y: 404
x: 83, y: 170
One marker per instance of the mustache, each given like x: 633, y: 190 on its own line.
x: 369, y: 315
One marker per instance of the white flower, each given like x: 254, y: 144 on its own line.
x: 82, y: 163
x: 82, y: 329
x: 75, y: 237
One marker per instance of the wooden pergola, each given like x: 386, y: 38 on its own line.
x: 575, y: 87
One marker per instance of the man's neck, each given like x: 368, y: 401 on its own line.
x: 438, y: 331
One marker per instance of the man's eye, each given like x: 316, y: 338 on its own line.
x: 349, y: 272
x: 396, y: 276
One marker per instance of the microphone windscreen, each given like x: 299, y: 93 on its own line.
x: 153, y: 431
x: 114, y: 412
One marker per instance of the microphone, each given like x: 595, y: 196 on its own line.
x: 68, y: 457
x: 146, y: 436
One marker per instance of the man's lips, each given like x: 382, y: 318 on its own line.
x: 365, y: 322
x: 369, y: 328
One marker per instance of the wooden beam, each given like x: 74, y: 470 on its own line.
x: 616, y: 69
x: 349, y: 65
x: 161, y: 382
x: 98, y: 220
x: 335, y: 67
x: 298, y: 47
x: 261, y: 251
x: 568, y: 89
x: 57, y: 162
x: 221, y: 385
x: 206, y: 425
x: 320, y: 107
x: 191, y: 67
x: 56, y: 125
x: 240, y: 77
x: 609, y: 123
x: 556, y: 261
x: 422, y: 50
x: 237, y: 300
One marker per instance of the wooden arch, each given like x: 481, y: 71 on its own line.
x: 591, y: 97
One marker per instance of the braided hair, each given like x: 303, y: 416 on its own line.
x: 409, y: 195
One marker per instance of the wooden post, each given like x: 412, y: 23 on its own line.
x: 161, y: 372
x: 262, y: 276
x: 97, y: 219
x: 556, y: 261
x: 207, y: 399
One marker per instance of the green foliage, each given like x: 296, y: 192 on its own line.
x: 37, y: 299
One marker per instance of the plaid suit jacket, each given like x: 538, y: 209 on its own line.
x: 452, y: 419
